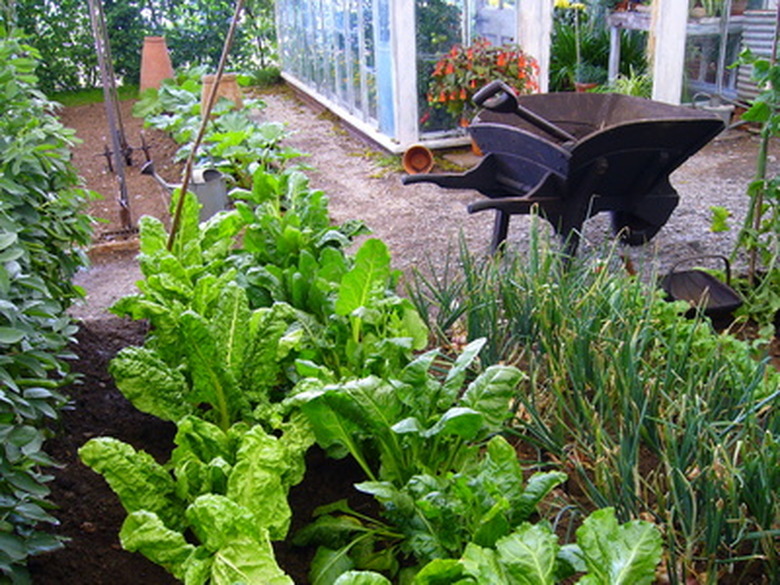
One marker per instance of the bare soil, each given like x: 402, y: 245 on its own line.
x: 419, y: 224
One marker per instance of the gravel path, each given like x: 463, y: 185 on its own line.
x: 421, y: 222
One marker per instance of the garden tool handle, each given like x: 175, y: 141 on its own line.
x: 497, y: 96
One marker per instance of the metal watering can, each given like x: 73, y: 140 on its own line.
x: 208, y: 185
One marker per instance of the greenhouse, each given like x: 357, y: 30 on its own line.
x: 371, y: 61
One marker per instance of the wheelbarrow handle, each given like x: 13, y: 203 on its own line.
x: 498, y: 96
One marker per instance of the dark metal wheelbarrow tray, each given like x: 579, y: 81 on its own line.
x: 573, y: 155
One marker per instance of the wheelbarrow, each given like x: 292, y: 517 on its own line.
x: 573, y: 155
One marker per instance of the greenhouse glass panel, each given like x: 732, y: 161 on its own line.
x: 441, y: 24
x: 330, y: 46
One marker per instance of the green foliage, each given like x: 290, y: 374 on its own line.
x: 41, y: 221
x: 482, y: 502
x: 429, y: 517
x: 759, y: 236
x: 241, y: 307
x: 194, y: 31
x: 415, y: 423
x: 227, y: 488
x: 617, y: 376
x: 418, y: 439
x: 633, y: 83
x: 594, y: 48
x: 235, y: 143
x: 607, y: 554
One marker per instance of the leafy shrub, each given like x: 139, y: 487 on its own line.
x: 195, y: 33
x: 41, y: 221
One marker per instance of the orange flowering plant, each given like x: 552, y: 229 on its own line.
x: 459, y: 74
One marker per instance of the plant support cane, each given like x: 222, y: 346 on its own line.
x: 205, y: 120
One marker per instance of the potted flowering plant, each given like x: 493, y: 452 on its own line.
x: 459, y: 74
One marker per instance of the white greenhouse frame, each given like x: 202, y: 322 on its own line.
x: 318, y: 37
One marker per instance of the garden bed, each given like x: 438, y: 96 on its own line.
x: 416, y: 225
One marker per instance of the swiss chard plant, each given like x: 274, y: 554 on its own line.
x: 430, y: 517
x: 42, y: 224
x: 419, y: 439
x: 606, y: 553
x: 416, y: 423
x: 209, y: 516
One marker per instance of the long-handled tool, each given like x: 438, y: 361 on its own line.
x: 121, y: 153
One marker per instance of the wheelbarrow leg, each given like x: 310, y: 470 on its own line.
x: 500, y: 231
x: 576, y: 213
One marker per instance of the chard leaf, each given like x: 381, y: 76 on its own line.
x: 457, y: 421
x: 330, y: 429
x: 416, y: 372
x: 152, y: 236
x: 230, y: 326
x: 528, y: 555
x: 414, y: 325
x: 482, y: 564
x: 539, y: 485
x: 361, y: 578
x: 212, y: 381
x: 618, y: 554
x: 140, y: 482
x: 218, y: 233
x: 501, y: 470
x: 333, y: 265
x: 241, y: 550
x: 445, y: 572
x: 330, y: 531
x: 328, y: 564
x: 201, y: 439
x: 261, y: 369
x: 150, y: 384
x: 144, y: 532
x: 457, y: 373
x: 256, y: 481
x: 366, y: 280
x: 186, y: 245
x: 491, y: 393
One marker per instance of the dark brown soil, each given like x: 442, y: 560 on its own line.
x: 90, y: 513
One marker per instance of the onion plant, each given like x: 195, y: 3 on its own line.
x: 649, y: 412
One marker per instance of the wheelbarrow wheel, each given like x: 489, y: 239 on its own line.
x: 632, y: 230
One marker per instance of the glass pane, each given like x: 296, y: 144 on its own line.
x: 440, y: 25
